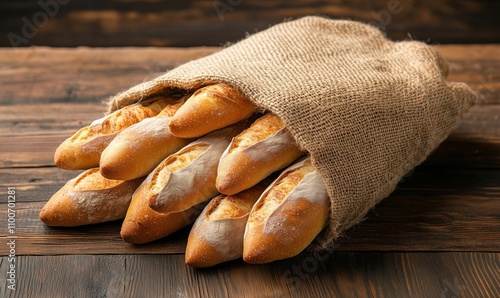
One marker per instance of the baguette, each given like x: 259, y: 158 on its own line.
x: 89, y: 199
x: 263, y: 148
x: 210, y: 108
x: 83, y: 149
x: 217, y: 234
x: 288, y: 216
x: 138, y: 149
x: 187, y: 178
x: 142, y: 224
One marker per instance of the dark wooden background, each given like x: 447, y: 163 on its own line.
x: 180, y: 23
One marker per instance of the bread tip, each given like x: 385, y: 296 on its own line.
x: 200, y: 254
x: 229, y: 181
x: 225, y: 188
x: 259, y: 249
x: 51, y: 218
x: 60, y: 160
x: 109, y: 172
x: 192, y: 261
x: 105, y: 171
x: 130, y: 232
x: 255, y: 256
x: 179, y: 129
x: 196, y: 259
x: 44, y: 216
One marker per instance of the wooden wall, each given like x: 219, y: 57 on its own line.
x: 214, y: 22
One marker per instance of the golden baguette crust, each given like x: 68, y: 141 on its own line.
x: 210, y: 108
x: 138, y: 149
x: 143, y: 225
x: 88, y: 199
x: 288, y: 216
x: 263, y: 148
x: 83, y: 149
x: 217, y: 234
x: 187, y: 178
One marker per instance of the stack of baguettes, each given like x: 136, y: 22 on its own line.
x: 157, y: 164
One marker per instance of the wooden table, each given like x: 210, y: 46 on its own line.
x: 437, y: 235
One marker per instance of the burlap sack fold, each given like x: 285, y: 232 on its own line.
x: 367, y: 109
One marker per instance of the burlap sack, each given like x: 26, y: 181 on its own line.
x: 367, y: 109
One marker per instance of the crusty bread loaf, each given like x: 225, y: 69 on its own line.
x: 187, y: 178
x: 217, y: 234
x: 143, y: 225
x: 88, y: 199
x: 210, y: 108
x: 138, y: 149
x: 83, y: 149
x: 288, y: 216
x: 263, y: 148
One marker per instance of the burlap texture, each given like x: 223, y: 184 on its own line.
x: 367, y: 109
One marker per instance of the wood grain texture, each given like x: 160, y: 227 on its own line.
x: 47, y: 75
x: 330, y: 274
x: 195, y: 23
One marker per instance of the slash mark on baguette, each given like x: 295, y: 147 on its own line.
x: 87, y: 181
x: 84, y: 148
x: 232, y: 208
x: 115, y: 122
x: 261, y: 129
x: 174, y: 163
x: 288, y: 216
x: 263, y: 148
x: 279, y: 192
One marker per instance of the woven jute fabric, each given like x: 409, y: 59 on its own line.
x: 367, y: 109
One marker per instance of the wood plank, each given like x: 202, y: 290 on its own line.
x: 56, y: 118
x: 431, y: 210
x: 194, y: 23
x: 331, y: 274
x: 82, y: 75
x: 476, y: 65
x: 466, y: 151
x: 46, y: 75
